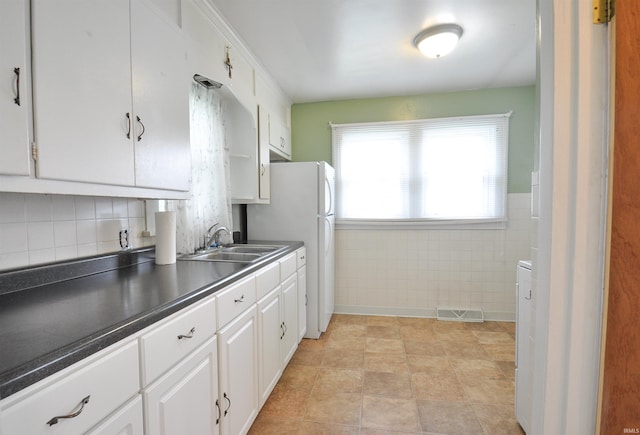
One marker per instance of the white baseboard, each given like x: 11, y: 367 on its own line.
x: 413, y: 312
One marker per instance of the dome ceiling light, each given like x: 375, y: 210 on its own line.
x: 438, y: 41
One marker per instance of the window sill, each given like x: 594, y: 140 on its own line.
x: 435, y: 224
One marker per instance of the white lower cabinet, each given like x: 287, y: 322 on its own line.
x: 185, y: 400
x: 238, y: 370
x: 76, y: 399
x: 125, y: 421
x: 301, y: 272
x: 289, y: 315
x: 271, y: 333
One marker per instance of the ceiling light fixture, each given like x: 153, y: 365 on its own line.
x: 438, y: 41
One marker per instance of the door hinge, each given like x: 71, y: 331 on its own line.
x: 34, y: 151
x: 603, y: 11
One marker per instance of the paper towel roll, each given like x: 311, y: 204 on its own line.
x: 165, y: 237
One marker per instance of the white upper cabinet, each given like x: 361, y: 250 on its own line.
x: 89, y: 124
x: 160, y: 101
x: 82, y: 90
x: 14, y: 101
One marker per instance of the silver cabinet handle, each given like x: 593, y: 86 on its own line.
x: 141, y: 124
x: 218, y: 407
x: 239, y: 300
x: 73, y: 413
x: 189, y: 335
x: 226, y: 411
x: 16, y: 100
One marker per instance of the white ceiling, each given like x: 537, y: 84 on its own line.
x: 320, y: 50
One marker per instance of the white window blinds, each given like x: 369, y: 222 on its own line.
x: 449, y: 169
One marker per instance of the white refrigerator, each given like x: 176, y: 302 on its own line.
x: 301, y: 208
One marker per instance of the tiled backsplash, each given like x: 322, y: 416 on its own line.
x: 411, y: 272
x: 37, y: 228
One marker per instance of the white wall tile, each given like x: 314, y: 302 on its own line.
x: 63, y: 208
x: 104, y: 208
x: 42, y: 256
x: 14, y: 260
x: 120, y: 208
x: 136, y: 208
x: 85, y: 207
x: 38, y: 207
x: 12, y: 208
x: 87, y: 250
x: 40, y: 235
x: 86, y: 232
x: 64, y: 233
x: 66, y: 252
x: 13, y: 238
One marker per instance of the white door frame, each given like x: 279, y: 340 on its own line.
x: 569, y: 255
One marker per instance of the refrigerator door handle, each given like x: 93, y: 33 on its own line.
x: 328, y: 245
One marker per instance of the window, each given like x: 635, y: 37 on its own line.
x: 445, y: 170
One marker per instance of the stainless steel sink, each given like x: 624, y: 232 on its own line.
x: 240, y: 253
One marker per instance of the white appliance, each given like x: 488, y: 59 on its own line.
x: 523, y: 344
x: 301, y: 208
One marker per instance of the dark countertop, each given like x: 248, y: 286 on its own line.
x: 46, y: 328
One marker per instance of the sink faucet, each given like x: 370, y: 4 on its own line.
x: 214, y: 238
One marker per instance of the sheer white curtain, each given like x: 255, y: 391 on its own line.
x: 210, y: 200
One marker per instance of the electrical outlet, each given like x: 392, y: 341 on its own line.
x: 124, y: 239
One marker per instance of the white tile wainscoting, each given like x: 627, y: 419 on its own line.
x: 411, y: 272
x: 36, y: 228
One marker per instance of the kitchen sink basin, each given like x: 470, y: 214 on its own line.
x: 237, y: 253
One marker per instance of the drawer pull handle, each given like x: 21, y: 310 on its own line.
x: 239, y: 300
x: 282, y: 329
x: 226, y: 411
x: 189, y: 335
x: 73, y: 414
x: 218, y: 408
x: 16, y: 100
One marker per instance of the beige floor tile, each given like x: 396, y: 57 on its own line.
x: 384, y: 345
x: 429, y: 348
x: 383, y: 331
x: 382, y: 321
x: 464, y: 350
x: 313, y: 344
x: 430, y: 364
x: 436, y: 386
x: 274, y: 425
x: 508, y: 369
x: 334, y: 408
x: 488, y: 391
x: 387, y: 384
x: 445, y: 326
x: 381, y: 362
x: 312, y: 428
x: 344, y: 358
x: 500, y: 352
x: 484, y: 326
x: 390, y: 414
x: 331, y: 380
x: 490, y: 337
x: 452, y: 418
x: 421, y: 322
x: 457, y: 336
x: 510, y: 327
x: 299, y: 377
x: 348, y: 330
x: 286, y: 403
x: 476, y: 368
x: 366, y: 431
x: 418, y: 333
x: 307, y: 357
x: 352, y: 319
x: 338, y: 341
x: 498, y: 419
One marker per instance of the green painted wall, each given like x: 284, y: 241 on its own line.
x: 311, y: 134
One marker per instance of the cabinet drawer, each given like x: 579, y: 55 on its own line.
x: 267, y: 279
x: 125, y: 421
x: 93, y: 389
x: 235, y: 299
x: 175, y: 338
x: 287, y: 266
x: 301, y: 257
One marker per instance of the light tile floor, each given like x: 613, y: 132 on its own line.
x: 370, y: 375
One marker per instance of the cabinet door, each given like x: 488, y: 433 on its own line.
x: 14, y: 101
x: 264, y: 176
x: 125, y: 421
x: 238, y: 352
x: 82, y: 90
x: 271, y: 334
x: 160, y: 101
x: 302, y: 302
x: 185, y: 400
x: 289, y: 318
